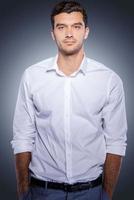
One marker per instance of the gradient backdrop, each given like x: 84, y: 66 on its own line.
x: 25, y: 39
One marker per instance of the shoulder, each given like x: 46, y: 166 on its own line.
x: 102, y: 70
x: 93, y: 65
x: 34, y: 72
x: 39, y: 66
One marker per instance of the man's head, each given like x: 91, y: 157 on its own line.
x: 68, y: 7
x: 69, y: 27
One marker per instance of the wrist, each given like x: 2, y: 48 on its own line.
x: 22, y: 188
x: 108, y: 192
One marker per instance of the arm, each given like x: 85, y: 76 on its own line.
x: 23, y: 133
x: 22, y: 171
x: 111, y: 173
x: 115, y: 129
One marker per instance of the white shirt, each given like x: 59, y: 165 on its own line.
x: 69, y: 123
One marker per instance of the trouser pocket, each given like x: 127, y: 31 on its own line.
x: 104, y: 195
x: 26, y: 195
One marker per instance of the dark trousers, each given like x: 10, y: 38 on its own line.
x: 40, y: 193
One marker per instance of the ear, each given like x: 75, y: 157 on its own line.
x: 86, y: 33
x: 52, y: 34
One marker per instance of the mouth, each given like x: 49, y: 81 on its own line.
x: 69, y: 42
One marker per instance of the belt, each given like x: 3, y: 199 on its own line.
x: 65, y: 186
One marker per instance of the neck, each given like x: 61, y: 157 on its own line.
x: 69, y: 63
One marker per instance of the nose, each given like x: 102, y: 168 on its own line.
x: 69, y: 33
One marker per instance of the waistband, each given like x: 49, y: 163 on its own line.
x: 65, y: 186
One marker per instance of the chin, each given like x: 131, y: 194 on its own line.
x: 70, y: 52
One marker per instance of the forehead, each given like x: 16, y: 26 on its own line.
x: 68, y: 18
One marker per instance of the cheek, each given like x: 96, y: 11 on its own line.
x: 59, y: 37
x: 79, y: 35
x: 81, y: 38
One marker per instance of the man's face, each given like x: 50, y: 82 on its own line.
x: 69, y: 32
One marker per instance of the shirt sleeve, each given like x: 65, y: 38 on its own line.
x: 23, y: 122
x: 114, y: 117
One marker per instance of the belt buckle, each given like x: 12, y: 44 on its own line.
x: 90, y: 184
x: 74, y: 188
x: 71, y: 188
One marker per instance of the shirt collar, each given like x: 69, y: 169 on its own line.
x: 53, y: 65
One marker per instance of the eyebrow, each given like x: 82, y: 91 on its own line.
x: 60, y: 25
x: 78, y: 24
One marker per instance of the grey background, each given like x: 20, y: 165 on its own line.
x: 25, y: 39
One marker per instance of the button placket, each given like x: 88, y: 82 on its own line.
x: 67, y: 93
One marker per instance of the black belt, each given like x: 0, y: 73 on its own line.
x: 65, y: 186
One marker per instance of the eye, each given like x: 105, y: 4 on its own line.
x: 77, y: 27
x: 60, y: 27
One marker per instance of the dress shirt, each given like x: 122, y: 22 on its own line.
x: 69, y: 123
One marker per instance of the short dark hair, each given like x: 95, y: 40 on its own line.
x: 68, y: 7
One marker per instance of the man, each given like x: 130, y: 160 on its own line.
x: 70, y: 120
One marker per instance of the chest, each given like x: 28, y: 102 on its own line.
x: 83, y: 94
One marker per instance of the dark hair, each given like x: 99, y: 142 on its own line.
x: 68, y: 7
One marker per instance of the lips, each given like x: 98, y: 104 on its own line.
x: 69, y: 41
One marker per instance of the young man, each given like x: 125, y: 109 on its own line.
x: 70, y: 120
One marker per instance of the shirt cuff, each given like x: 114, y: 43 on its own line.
x: 118, y: 150
x: 22, y: 146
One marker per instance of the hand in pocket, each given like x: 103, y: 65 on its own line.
x: 25, y: 195
x: 105, y: 195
